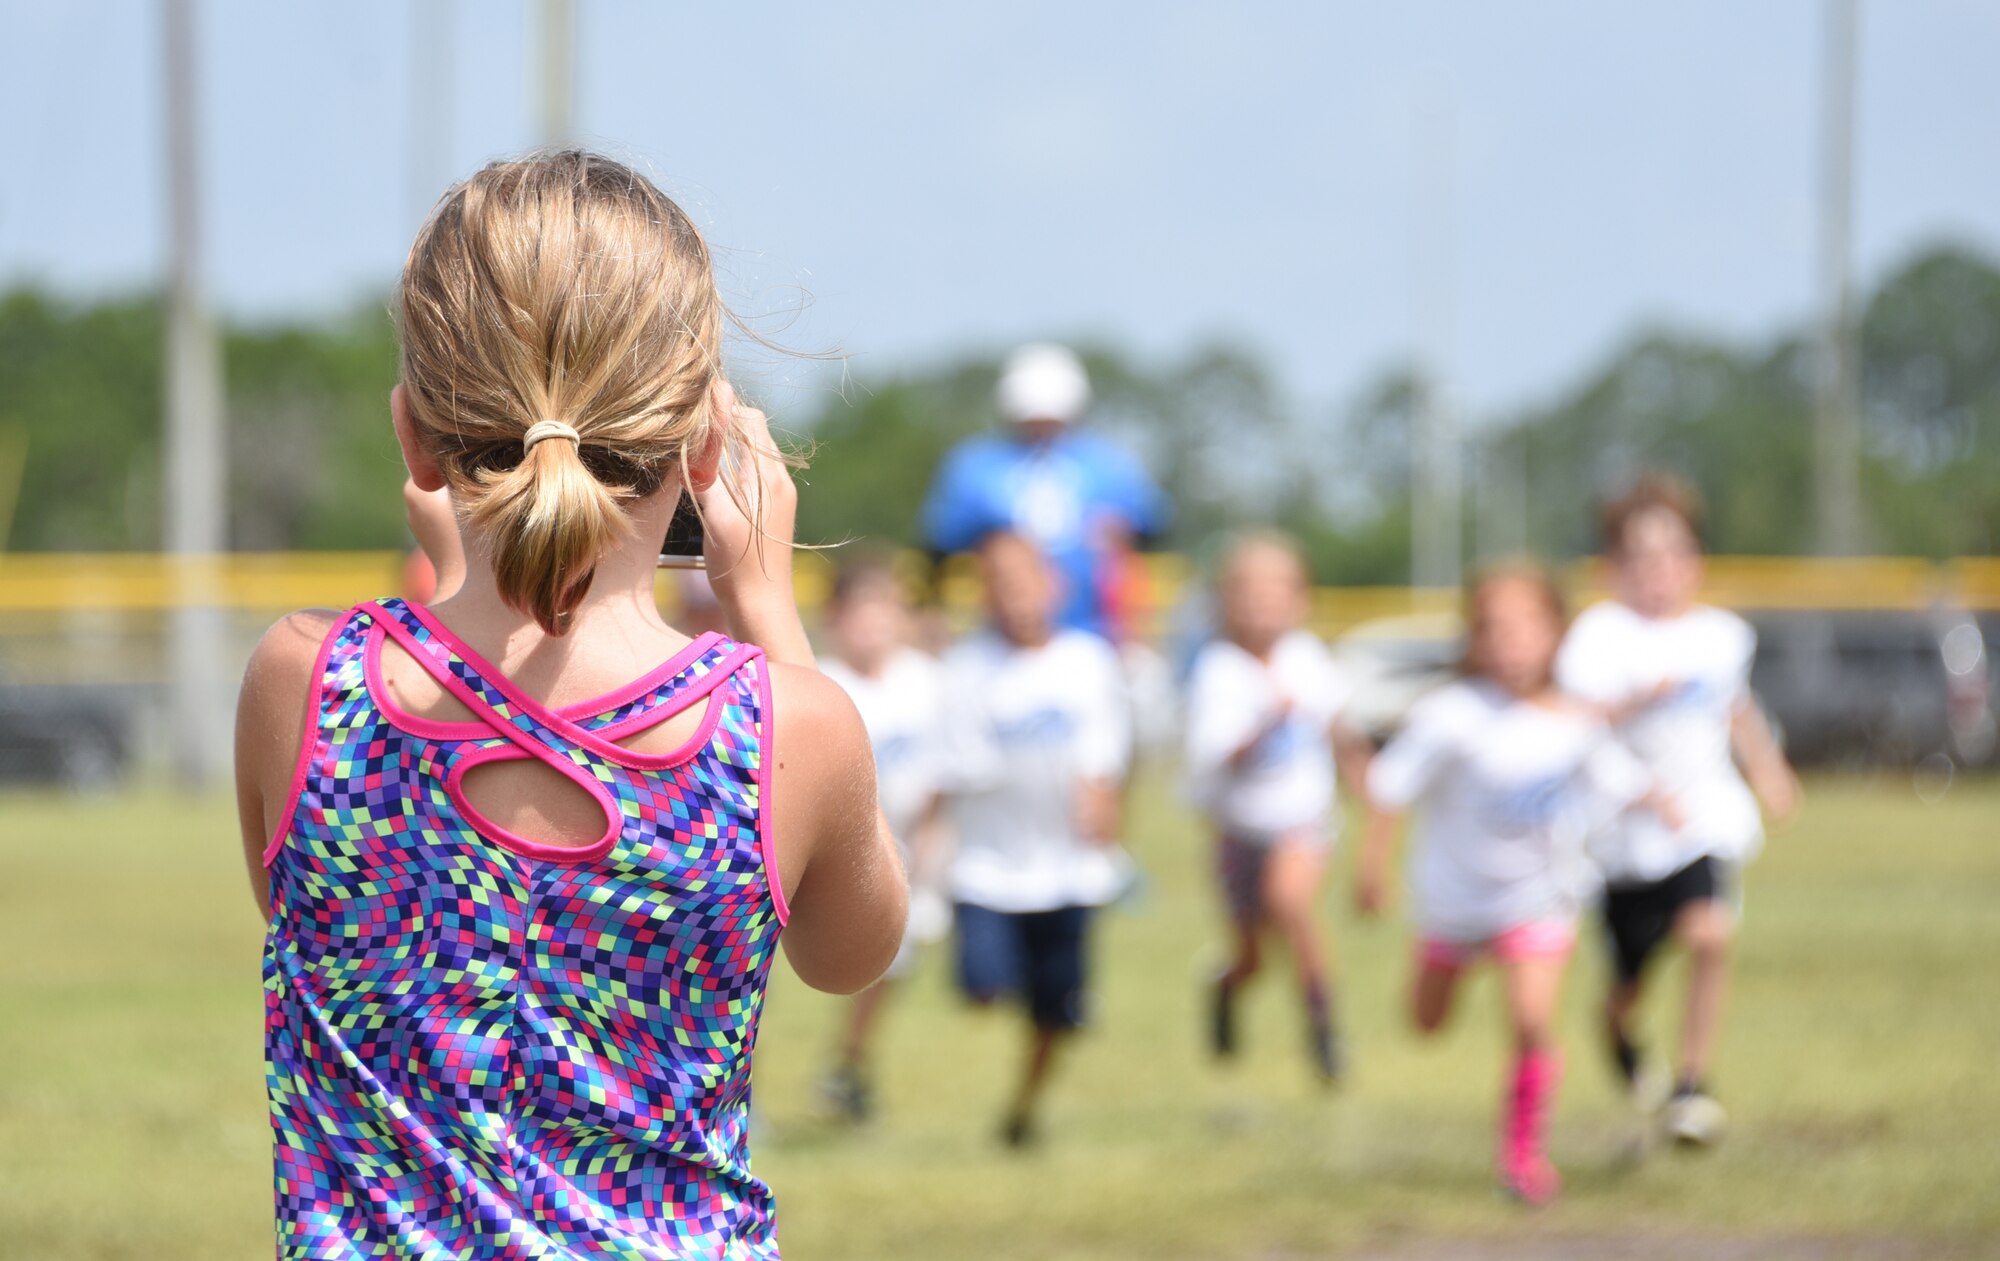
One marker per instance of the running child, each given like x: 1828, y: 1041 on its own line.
x: 1674, y: 674
x: 1506, y: 775
x: 898, y: 691
x: 516, y: 848
x: 1263, y: 735
x: 1034, y: 744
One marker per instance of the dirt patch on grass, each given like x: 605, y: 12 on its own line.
x: 1668, y: 1248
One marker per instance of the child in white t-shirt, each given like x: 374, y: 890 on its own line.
x: 1035, y: 740
x: 1674, y: 676
x: 1507, y: 775
x: 1263, y: 732
x: 899, y: 693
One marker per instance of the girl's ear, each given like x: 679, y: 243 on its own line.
x: 424, y: 469
x: 704, y: 465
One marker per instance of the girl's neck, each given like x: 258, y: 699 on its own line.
x: 1263, y: 648
x: 1664, y: 612
x: 1027, y: 638
x: 1542, y: 695
x: 619, y: 607
x: 868, y: 665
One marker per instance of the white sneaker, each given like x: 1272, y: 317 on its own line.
x: 1695, y: 1120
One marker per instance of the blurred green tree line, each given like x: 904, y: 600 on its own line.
x: 313, y: 464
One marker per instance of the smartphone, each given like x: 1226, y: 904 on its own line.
x: 682, y: 548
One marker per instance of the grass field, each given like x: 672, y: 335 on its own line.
x: 1859, y: 1063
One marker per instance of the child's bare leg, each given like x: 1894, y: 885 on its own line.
x: 1246, y: 956
x: 1034, y: 1077
x: 1236, y: 865
x: 1292, y: 879
x: 847, y: 1088
x: 1533, y: 986
x: 1619, y: 1006
x: 861, y: 1020
x: 1431, y: 996
x: 1706, y: 929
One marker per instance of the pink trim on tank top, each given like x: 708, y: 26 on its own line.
x: 403, y: 719
x: 767, y: 846
x: 553, y: 719
x: 309, y: 741
x: 460, y: 730
x: 645, y: 683
x: 614, y: 816
x: 591, y: 706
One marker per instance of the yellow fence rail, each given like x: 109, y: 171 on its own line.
x: 51, y: 582
x: 103, y: 619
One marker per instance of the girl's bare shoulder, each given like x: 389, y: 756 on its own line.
x: 813, y: 720
x: 277, y: 682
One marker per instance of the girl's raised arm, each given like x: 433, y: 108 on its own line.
x: 836, y: 859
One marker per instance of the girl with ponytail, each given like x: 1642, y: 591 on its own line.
x: 526, y: 855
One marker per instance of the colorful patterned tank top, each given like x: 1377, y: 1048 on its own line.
x: 484, y: 1047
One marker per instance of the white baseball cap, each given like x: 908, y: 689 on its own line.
x: 1042, y: 381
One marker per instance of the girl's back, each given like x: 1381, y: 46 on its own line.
x: 492, y: 1045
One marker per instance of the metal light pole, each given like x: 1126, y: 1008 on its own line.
x: 557, y: 78
x: 1435, y: 527
x: 1501, y: 519
x: 433, y: 86
x: 1837, y: 424
x: 196, y: 498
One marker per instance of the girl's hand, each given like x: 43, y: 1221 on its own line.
x: 1638, y: 702
x: 1371, y: 884
x: 749, y: 544
x: 1098, y: 811
x: 1280, y: 714
x: 1371, y: 892
x: 1667, y: 808
x: 1763, y: 761
x: 1778, y: 789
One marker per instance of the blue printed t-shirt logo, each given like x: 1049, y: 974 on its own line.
x: 1040, y: 726
x: 1528, y: 806
x: 1282, y: 741
x: 895, y: 750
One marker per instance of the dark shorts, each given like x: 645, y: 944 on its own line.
x: 1639, y: 917
x: 1038, y: 955
x: 1239, y: 868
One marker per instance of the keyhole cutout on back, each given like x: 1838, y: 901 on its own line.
x: 531, y: 800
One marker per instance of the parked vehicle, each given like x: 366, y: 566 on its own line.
x: 1877, y: 688
x: 75, y: 737
x: 1393, y: 662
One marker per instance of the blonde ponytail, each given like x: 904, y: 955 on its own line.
x: 562, y: 287
x: 546, y: 521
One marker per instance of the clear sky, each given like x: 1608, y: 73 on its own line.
x: 946, y: 176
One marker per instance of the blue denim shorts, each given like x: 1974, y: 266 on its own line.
x: 1038, y: 955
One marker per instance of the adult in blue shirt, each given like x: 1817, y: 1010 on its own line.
x: 1084, y: 500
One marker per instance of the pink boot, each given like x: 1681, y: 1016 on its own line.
x: 1525, y: 1170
